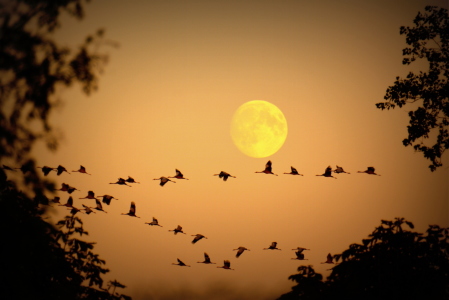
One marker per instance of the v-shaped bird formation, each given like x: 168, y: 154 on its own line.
x: 107, y: 199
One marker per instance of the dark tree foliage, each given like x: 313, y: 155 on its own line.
x: 428, y: 40
x: 392, y: 263
x: 40, y: 261
x: 33, y: 67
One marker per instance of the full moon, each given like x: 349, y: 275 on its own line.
x: 258, y: 128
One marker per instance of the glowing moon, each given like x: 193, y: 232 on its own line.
x: 258, y: 128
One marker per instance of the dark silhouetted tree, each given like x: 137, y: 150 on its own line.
x: 392, y: 263
x: 428, y: 40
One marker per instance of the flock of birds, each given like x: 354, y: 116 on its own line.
x: 106, y: 199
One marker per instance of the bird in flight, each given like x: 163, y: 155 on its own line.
x: 339, y: 170
x: 69, y: 202
x: 272, y: 247
x: 82, y: 170
x: 224, y: 175
x: 369, y: 170
x: 180, y: 263
x: 4, y: 167
x: 329, y: 259
x: 267, y: 169
x: 61, y: 169
x: 179, y: 175
x: 197, y: 237
x: 299, y: 255
x: 240, y: 251
x: 294, y: 172
x: 131, y: 180
x: 90, y: 195
x: 327, y: 173
x: 46, y: 170
x: 99, y: 206
x: 154, y: 222
x: 132, y: 211
x: 67, y: 188
x: 107, y: 199
x: 178, y: 229
x: 163, y: 180
x: 226, y: 265
x: 206, y: 259
x: 120, y: 181
x: 88, y: 209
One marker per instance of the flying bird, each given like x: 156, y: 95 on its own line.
x: 272, y: 247
x: 56, y: 199
x: 132, y: 211
x: 197, y: 237
x: 240, y: 251
x: 178, y: 229
x: 163, y: 180
x: 61, y: 169
x: 267, y: 169
x: 226, y: 265
x: 90, y: 195
x: 369, y: 170
x: 180, y: 263
x: 154, y: 222
x: 88, y: 209
x: 179, y: 175
x: 294, y: 172
x: 99, y: 206
x: 25, y: 168
x: 69, y: 202
x: 329, y: 259
x: 339, y: 170
x: 131, y: 180
x: 224, y: 175
x: 82, y: 170
x: 107, y: 199
x: 299, y: 255
x: 46, y: 170
x: 120, y: 181
x: 206, y: 259
x: 301, y: 249
x: 4, y: 167
x: 327, y: 173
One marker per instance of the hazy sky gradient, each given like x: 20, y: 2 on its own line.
x: 166, y: 100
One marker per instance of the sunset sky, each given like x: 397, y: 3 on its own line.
x: 165, y: 101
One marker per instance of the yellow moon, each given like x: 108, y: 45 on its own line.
x: 258, y: 128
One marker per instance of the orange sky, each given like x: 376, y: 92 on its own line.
x: 166, y: 100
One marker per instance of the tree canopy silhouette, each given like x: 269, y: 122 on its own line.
x: 428, y: 40
x: 40, y: 260
x: 33, y: 67
x: 392, y: 263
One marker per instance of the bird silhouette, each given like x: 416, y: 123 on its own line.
x: 339, y: 170
x: 163, y: 180
x: 179, y: 175
x: 120, y: 181
x: 154, y: 222
x: 301, y: 249
x: 178, y: 229
x: 224, y: 175
x: 180, y: 263
x: 99, y: 206
x: 46, y: 170
x: 82, y: 170
x: 226, y: 265
x: 69, y: 202
x: 369, y: 170
x: 107, y: 199
x: 90, y: 195
x: 272, y: 247
x: 327, y: 173
x: 206, y: 259
x: 267, y: 169
x: 294, y: 172
x: 88, y: 209
x: 132, y: 211
x: 61, y: 169
x: 198, y: 237
x: 299, y: 255
x: 131, y: 180
x: 4, y: 167
x: 56, y: 199
x: 240, y: 251
x: 329, y: 259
